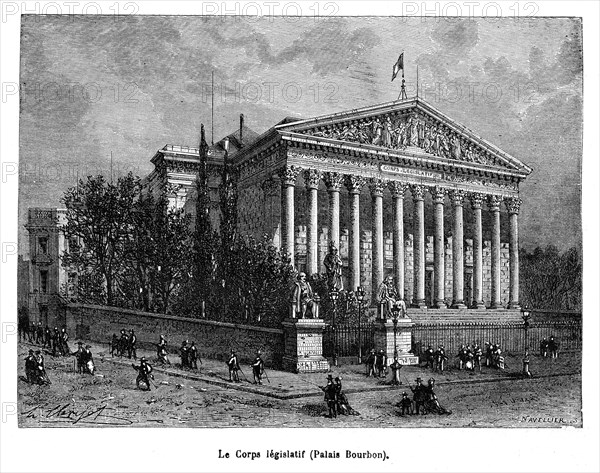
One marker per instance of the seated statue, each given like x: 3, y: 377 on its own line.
x: 387, y: 297
x: 304, y: 302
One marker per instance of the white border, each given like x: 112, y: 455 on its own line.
x: 411, y: 449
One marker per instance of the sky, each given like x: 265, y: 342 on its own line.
x: 92, y: 86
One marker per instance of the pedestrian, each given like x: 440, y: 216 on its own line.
x: 371, y: 363
x: 56, y: 342
x: 380, y: 364
x: 553, y: 347
x: 88, y: 361
x: 395, y: 366
x: 431, y: 400
x: 419, y: 396
x: 526, y: 373
x: 488, y: 354
x: 429, y: 357
x: 342, y: 404
x: 39, y: 334
x: 79, y: 357
x: 42, y: 376
x: 462, y: 357
x: 184, y: 354
x: 47, y: 337
x: 440, y: 358
x: 406, y: 405
x: 544, y: 348
x: 161, y: 351
x: 64, y: 342
x: 477, y: 354
x: 193, y: 356
x: 234, y: 367
x: 131, y: 345
x: 123, y: 343
x: 258, y: 368
x: 330, y: 396
x: 114, y: 345
x: 31, y: 368
x: 144, y: 371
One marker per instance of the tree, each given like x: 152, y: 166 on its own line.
x: 99, y: 219
x: 550, y: 280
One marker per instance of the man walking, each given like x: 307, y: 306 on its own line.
x: 131, y: 345
x: 258, y: 368
x: 330, y: 396
x: 144, y: 373
x: 234, y: 367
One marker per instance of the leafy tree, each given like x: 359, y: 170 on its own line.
x: 550, y: 280
x: 98, y: 218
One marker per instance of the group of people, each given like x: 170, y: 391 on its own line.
x: 188, y: 354
x: 436, y: 359
x: 55, y: 340
x: 424, y: 400
x: 376, y: 364
x: 258, y: 368
x: 35, y: 369
x: 549, y: 347
x: 125, y: 344
x: 469, y: 357
x: 337, y: 402
x: 85, y: 359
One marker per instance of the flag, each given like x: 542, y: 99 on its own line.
x: 398, y: 66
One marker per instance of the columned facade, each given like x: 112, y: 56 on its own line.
x: 447, y: 251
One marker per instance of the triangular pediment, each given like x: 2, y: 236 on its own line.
x: 407, y: 126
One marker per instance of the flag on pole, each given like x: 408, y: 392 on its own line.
x: 399, y: 66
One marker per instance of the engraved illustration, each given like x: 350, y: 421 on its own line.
x: 235, y: 223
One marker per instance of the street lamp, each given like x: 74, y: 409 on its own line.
x: 395, y: 312
x: 360, y: 297
x: 334, y: 294
x: 526, y: 315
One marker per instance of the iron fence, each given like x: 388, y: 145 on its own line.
x: 346, y: 337
x: 510, y: 336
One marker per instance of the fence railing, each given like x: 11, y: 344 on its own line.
x: 510, y: 336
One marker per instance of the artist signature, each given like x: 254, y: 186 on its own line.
x: 67, y: 413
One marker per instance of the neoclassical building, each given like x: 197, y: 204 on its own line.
x: 399, y: 187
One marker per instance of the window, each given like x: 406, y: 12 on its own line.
x: 44, y: 281
x: 43, y: 242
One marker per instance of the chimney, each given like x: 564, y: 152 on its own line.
x: 241, y: 129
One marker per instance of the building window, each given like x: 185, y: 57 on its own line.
x: 44, y: 281
x: 43, y: 242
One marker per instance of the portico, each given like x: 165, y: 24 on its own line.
x: 394, y: 155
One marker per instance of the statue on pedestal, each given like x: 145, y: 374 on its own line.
x: 303, y: 300
x: 387, y: 297
x: 333, y: 268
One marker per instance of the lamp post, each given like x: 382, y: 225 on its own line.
x: 395, y: 312
x: 526, y: 315
x: 360, y: 297
x: 334, y: 294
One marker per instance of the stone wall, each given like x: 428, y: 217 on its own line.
x: 213, y: 339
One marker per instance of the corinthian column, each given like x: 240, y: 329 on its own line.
x: 288, y: 181
x: 513, y: 204
x: 334, y: 181
x: 377, y: 186
x: 476, y: 203
x: 398, y: 189
x: 418, y: 193
x: 458, y: 257
x: 438, y: 194
x: 354, y: 185
x: 311, y: 180
x: 494, y: 207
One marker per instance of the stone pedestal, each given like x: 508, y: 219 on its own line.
x: 303, y: 340
x: 384, y: 340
